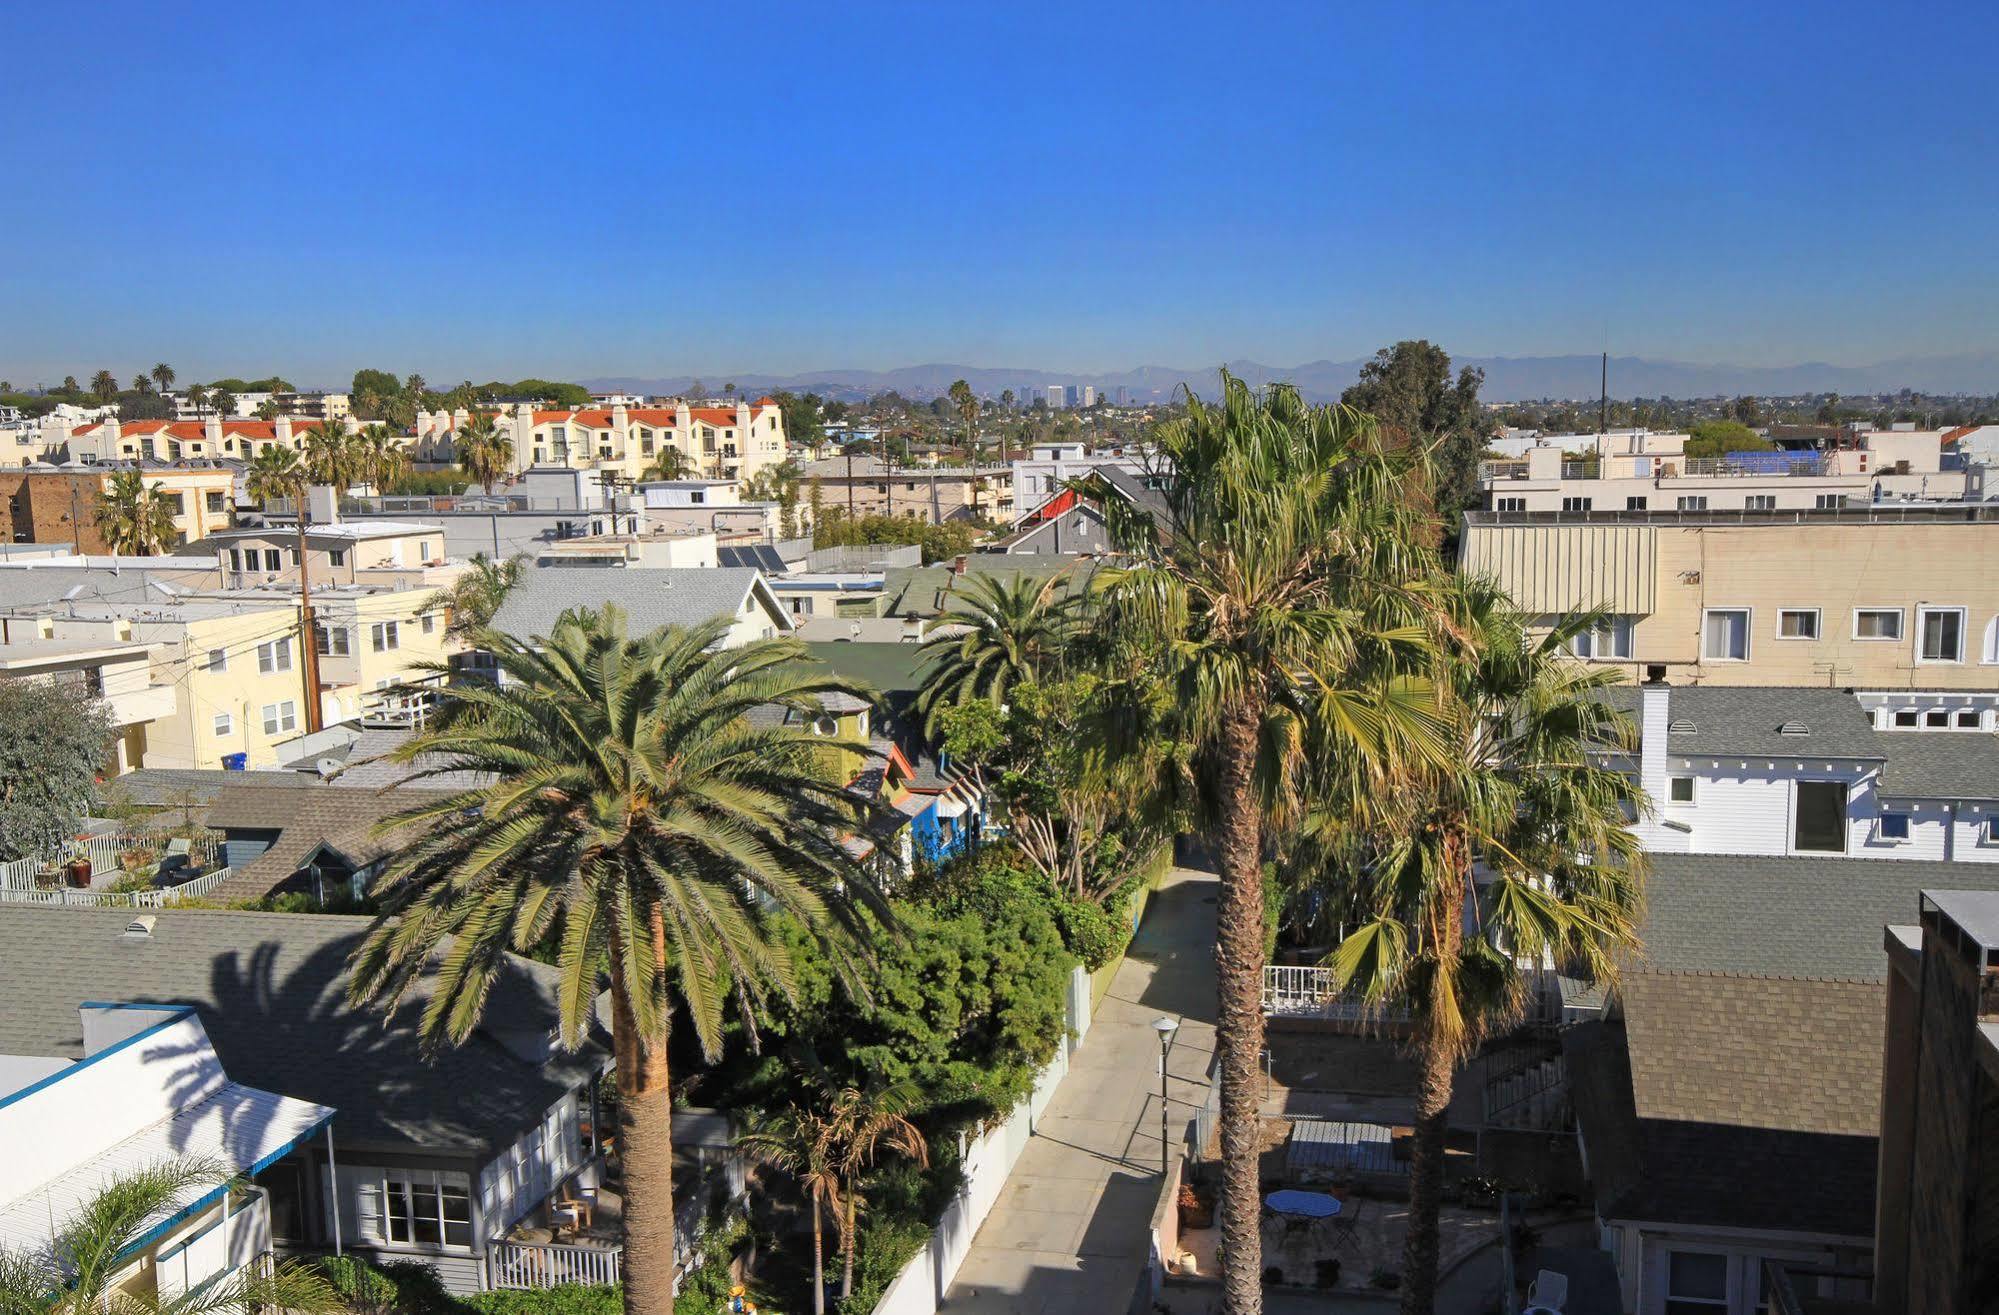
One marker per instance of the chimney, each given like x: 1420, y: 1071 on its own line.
x: 958, y: 564
x: 1654, y: 722
x: 211, y: 429
x: 284, y: 430
x: 683, y: 419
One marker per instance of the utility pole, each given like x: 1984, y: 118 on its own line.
x: 850, y: 481
x: 1603, y: 401
x: 308, y: 632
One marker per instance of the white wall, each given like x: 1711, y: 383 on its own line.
x: 1749, y: 806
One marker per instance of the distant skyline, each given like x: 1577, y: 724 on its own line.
x: 498, y: 191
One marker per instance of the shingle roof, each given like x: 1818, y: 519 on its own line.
x: 1940, y: 765
x: 651, y: 597
x: 889, y: 668
x: 1787, y: 917
x: 271, y: 991
x: 1749, y: 719
x: 167, y: 785
x: 926, y: 591
x: 341, y: 820
x: 368, y: 769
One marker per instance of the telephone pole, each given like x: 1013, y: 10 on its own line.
x: 307, y: 630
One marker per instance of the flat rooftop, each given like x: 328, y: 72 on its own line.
x: 1975, y: 914
x: 1884, y: 513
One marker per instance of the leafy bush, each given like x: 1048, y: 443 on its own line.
x: 704, y: 1288
x: 401, y: 1287
x: 1092, y: 933
x: 886, y: 1245
x: 563, y: 1299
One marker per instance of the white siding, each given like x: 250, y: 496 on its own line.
x: 1748, y: 806
x: 520, y: 1177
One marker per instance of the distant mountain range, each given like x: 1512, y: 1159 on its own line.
x: 1507, y: 378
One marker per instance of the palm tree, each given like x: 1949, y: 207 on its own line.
x: 484, y: 452
x: 637, y: 816
x: 331, y: 456
x: 1526, y: 789
x: 382, y: 458
x: 967, y: 402
x: 81, y: 1273
x: 163, y: 375
x: 1000, y: 631
x: 142, y: 385
x: 799, y: 1142
x: 197, y: 396
x: 134, y: 519
x: 860, y: 1125
x: 474, y: 597
x: 671, y: 463
x: 69, y: 384
x: 1277, y: 591
x: 104, y: 385
x: 268, y: 409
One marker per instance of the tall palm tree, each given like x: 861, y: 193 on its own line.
x: 382, y: 459
x: 860, y: 1125
x: 81, y: 1272
x: 104, y: 386
x: 998, y: 632
x: 268, y: 409
x: 1526, y: 790
x: 142, y: 385
x: 638, y: 816
x: 134, y: 519
x: 197, y: 396
x: 798, y: 1142
x: 1277, y: 586
x: 331, y: 456
x: 484, y: 452
x: 163, y: 375
x: 69, y: 384
x: 967, y: 403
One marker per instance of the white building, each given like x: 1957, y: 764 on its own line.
x: 1047, y: 467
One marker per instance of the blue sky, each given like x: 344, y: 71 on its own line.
x: 495, y: 190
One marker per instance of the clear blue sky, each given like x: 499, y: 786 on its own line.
x: 494, y: 190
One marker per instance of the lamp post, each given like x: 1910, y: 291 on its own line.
x: 1166, y: 1027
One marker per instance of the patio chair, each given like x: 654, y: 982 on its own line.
x: 1549, y: 1290
x: 1340, y: 1228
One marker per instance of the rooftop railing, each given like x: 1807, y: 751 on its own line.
x: 1942, y: 513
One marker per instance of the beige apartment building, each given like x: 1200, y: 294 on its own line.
x: 184, y: 440
x: 1637, y: 470
x: 719, y: 442
x: 863, y: 486
x: 118, y: 675
x: 1870, y: 598
x: 60, y: 506
x: 386, y: 553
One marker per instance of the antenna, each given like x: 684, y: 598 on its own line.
x: 1603, y: 400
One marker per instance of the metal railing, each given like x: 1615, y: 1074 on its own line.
x: 1943, y: 513
x: 545, y: 1265
x: 1492, y: 470
x: 67, y: 897
x: 1296, y: 991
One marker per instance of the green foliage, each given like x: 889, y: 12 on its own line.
x: 887, y: 1243
x: 563, y: 1299
x: 803, y: 422
x: 704, y: 1289
x: 411, y: 1287
x: 428, y: 483
x: 938, y: 542
x: 1716, y: 438
x: 1408, y: 388
x: 1093, y: 933
x: 52, y: 745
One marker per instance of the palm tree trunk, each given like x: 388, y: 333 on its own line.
x: 818, y: 1261
x: 849, y: 1243
x: 1426, y: 1178
x: 1239, y: 1029
x: 645, y: 1143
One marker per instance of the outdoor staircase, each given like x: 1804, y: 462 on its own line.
x: 1529, y: 1094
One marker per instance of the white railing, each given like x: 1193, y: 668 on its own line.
x: 536, y: 1265
x: 64, y: 896
x: 1295, y: 991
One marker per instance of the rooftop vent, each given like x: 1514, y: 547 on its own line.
x: 142, y: 926
x: 1680, y: 727
x: 1794, y: 728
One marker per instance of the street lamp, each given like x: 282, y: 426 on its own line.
x: 1166, y: 1027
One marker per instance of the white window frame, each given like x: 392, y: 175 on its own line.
x: 1988, y: 645
x: 1927, y: 610
x: 1881, y: 823
x: 223, y: 725
x: 1818, y: 627
x: 1693, y: 790
x: 280, y: 718
x: 385, y: 636
x: 382, y: 1185
x: 429, y: 622
x: 218, y: 660
x: 1748, y: 632
x: 1901, y: 625
x: 1759, y: 502
x: 274, y: 656
x: 1589, y: 644
x: 1513, y: 503
x: 1691, y: 502
x: 1719, y: 1306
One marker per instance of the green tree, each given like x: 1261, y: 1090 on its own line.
x: 967, y: 404
x: 80, y: 1273
x: 163, y: 375
x: 860, y: 1125
x: 1408, y: 389
x: 802, y: 423
x: 1006, y: 399
x: 671, y: 463
x: 1281, y: 591
x: 1715, y: 438
x: 1525, y: 790
x: 485, y: 453
x: 223, y: 401
x: 69, y: 385
x: 639, y: 817
x: 380, y: 457
x: 268, y: 410
x: 475, y: 597
x: 197, y: 396
x: 331, y: 457
x: 104, y: 387
x: 999, y: 632
x: 142, y: 385
x: 134, y: 519
x: 52, y: 746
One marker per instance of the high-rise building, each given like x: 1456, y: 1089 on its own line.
x: 1071, y: 395
x: 1089, y: 394
x: 1056, y: 397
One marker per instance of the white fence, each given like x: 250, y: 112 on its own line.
x: 533, y: 1265
x: 1293, y: 991
x: 988, y: 1159
x: 64, y: 896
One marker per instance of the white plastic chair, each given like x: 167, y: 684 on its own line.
x: 1549, y: 1290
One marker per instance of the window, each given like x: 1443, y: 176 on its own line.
x: 280, y: 718
x: 1937, y: 719
x: 1498, y: 504
x: 1968, y: 719
x: 334, y: 641
x: 1693, y: 502
x: 1820, y: 824
x: 336, y: 556
x: 1798, y: 623
x: 274, y: 655
x: 214, y: 500
x: 1906, y: 719
x: 1760, y: 502
x: 1680, y: 790
x: 1988, y: 831
x: 1940, y: 633
x: 1727, y: 635
x: 1894, y: 828
x: 218, y: 659
x: 1636, y: 502
x: 1576, y: 504
x: 422, y: 1208
x: 429, y: 620
x: 1831, y: 501
x: 385, y: 635
x: 1877, y: 623
x: 1608, y: 638
x: 224, y: 723
x: 273, y: 561
x: 1696, y: 1283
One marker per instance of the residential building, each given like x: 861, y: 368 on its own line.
x: 1937, y: 1217
x: 1729, y: 1103
x: 94, y: 1090
x: 1871, y: 598
x: 537, y: 508
x: 46, y: 505
x: 720, y: 442
x: 716, y: 506
x: 434, y: 1155
x: 1638, y: 470
x: 662, y: 547
x: 169, y: 441
x: 315, y: 406
x: 650, y: 598
x: 864, y: 486
x: 346, y: 552
x: 118, y: 675
x: 1047, y: 468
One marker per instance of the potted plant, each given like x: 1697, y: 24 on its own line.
x: 1328, y: 1275
x: 1197, y: 1208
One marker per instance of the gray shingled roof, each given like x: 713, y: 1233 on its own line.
x: 271, y: 990
x: 651, y: 597
x: 1787, y: 917
x: 925, y: 591
x: 343, y: 821
x: 151, y: 786
x: 1746, y: 719
x: 1940, y: 765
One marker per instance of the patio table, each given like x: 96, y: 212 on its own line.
x: 1303, y: 1205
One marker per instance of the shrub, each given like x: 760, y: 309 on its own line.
x: 1090, y: 932
x: 563, y: 1299
x: 402, y: 1287
x: 704, y: 1289
x: 886, y: 1245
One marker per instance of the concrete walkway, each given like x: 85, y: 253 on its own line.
x: 1072, y: 1229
